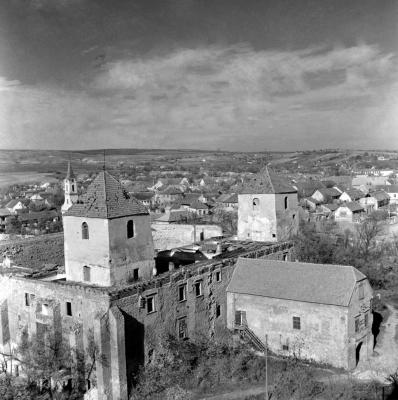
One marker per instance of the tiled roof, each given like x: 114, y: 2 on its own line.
x: 266, y: 182
x: 379, y: 195
x: 329, y: 192
x: 314, y: 283
x: 331, y: 206
x: 354, y: 194
x: 353, y: 206
x: 106, y: 198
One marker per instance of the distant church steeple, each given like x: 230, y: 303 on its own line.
x: 70, y: 189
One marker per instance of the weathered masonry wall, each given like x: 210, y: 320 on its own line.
x: 168, y: 236
x: 322, y: 337
x: 24, y: 299
x: 257, y: 223
x: 360, y: 309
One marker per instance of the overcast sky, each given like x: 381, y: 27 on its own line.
x: 229, y: 74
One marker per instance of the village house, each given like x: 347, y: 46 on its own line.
x: 316, y: 312
x: 146, y: 198
x: 375, y: 200
x: 392, y: 191
x: 349, y: 212
x: 328, y: 209
x: 325, y: 195
x: 351, y: 195
x: 227, y: 202
x: 16, y: 205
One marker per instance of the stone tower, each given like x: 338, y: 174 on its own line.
x: 70, y: 190
x: 107, y: 236
x: 267, y: 209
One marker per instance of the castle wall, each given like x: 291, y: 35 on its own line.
x: 168, y: 236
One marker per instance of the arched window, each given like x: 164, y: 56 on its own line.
x: 286, y: 202
x: 256, y: 203
x: 85, y: 230
x: 130, y: 229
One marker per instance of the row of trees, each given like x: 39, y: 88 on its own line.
x: 363, y: 248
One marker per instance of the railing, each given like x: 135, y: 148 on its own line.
x: 251, y: 337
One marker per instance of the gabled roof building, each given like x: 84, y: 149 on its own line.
x: 322, y: 312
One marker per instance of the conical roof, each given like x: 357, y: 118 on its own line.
x: 266, y: 182
x: 70, y: 174
x: 106, y: 198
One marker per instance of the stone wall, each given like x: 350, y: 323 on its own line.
x: 322, y: 337
x: 168, y: 236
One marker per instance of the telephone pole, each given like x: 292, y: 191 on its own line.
x: 266, y: 368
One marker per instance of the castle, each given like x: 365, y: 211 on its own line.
x: 111, y: 290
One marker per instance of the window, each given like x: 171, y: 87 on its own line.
x: 198, y: 288
x: 44, y: 309
x: 150, y: 304
x: 218, y: 310
x: 256, y: 204
x: 16, y: 370
x: 182, y: 328
x: 130, y: 229
x: 73, y: 188
x: 86, y: 274
x: 285, y: 347
x: 296, y: 323
x: 218, y: 276
x: 361, y: 293
x: 294, y: 216
x: 273, y: 235
x: 85, y: 230
x: 69, y: 308
x: 182, y: 292
x: 240, y: 317
x: 27, y: 299
x: 286, y: 202
x: 135, y: 274
x: 366, y: 320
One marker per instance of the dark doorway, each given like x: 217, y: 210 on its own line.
x: 357, y: 353
x: 377, y: 320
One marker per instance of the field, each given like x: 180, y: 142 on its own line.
x: 7, y: 179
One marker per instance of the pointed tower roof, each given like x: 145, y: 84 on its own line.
x: 266, y: 182
x: 70, y: 174
x: 106, y: 198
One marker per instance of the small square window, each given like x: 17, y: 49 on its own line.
x: 150, y: 304
x: 182, y: 292
x: 198, y: 288
x: 273, y: 235
x: 285, y: 347
x: 86, y: 273
x: 296, y: 323
x: 69, y: 308
x: 44, y: 309
x: 218, y: 276
x: 240, y: 318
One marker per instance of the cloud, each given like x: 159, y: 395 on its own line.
x: 229, y: 97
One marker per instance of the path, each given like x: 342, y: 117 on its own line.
x: 384, y: 360
x: 237, y: 394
